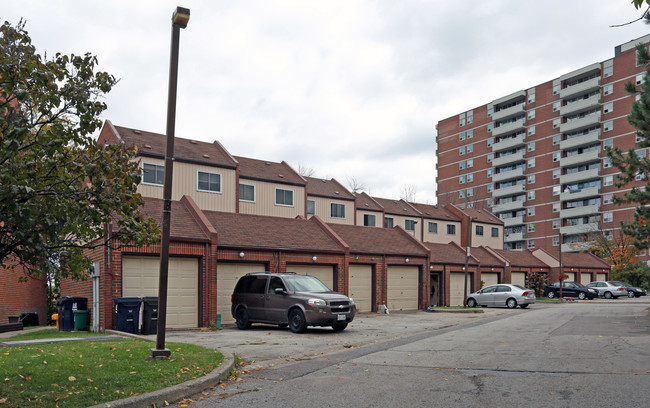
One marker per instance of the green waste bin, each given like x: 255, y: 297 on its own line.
x: 81, y: 320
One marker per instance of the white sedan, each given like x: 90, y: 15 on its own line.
x: 503, y: 294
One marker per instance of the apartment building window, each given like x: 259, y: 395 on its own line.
x: 451, y: 229
x: 531, y: 163
x: 608, y: 199
x: 433, y: 227
x: 490, y: 172
x: 531, y: 211
x: 608, y: 216
x: 495, y: 232
x: 490, y: 126
x: 531, y: 130
x: 607, y: 162
x: 470, y: 177
x: 461, y: 193
x: 461, y: 165
x: 608, y: 89
x: 531, y: 146
x: 608, y: 107
x: 557, y: 190
x: 461, y: 179
x: 490, y: 110
x: 209, y: 182
x: 470, y: 133
x: 641, y: 153
x: 461, y: 136
x: 461, y: 150
x: 490, y: 187
x: 556, y: 88
x: 608, y: 71
x: 531, y: 227
x: 369, y: 220
x: 389, y: 222
x: 531, y: 243
x: 479, y: 230
x: 640, y: 78
x: 470, y: 148
x: 490, y: 142
x: 556, y: 207
x: 531, y: 95
x: 557, y: 139
x: 311, y: 207
x: 470, y: 192
x: 608, y: 143
x: 531, y: 114
x: 556, y: 173
x: 153, y: 174
x: 556, y: 224
x: 557, y: 105
x: 470, y: 117
x: 531, y: 195
x: 531, y: 179
x: 284, y: 197
x: 608, y: 181
x: 470, y: 163
x: 461, y: 119
x: 337, y: 210
x: 640, y: 175
x: 556, y: 156
x: 490, y: 157
x: 556, y: 241
x: 409, y: 225
x: 247, y: 193
x: 607, y: 126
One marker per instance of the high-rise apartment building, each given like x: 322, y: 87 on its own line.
x: 536, y: 158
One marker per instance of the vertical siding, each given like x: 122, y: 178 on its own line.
x: 379, y: 218
x: 322, y: 208
x: 265, y: 200
x: 441, y: 237
x: 487, y: 239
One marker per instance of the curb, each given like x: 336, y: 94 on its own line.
x: 176, y: 392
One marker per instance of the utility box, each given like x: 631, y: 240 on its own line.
x: 126, y: 314
x: 66, y: 307
x: 149, y: 315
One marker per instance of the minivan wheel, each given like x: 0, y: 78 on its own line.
x: 511, y: 303
x: 297, y: 322
x: 242, y: 319
x: 339, y: 326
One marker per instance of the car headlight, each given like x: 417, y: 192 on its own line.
x: 592, y: 290
x: 351, y: 301
x: 316, y: 302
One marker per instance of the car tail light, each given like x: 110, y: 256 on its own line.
x: 524, y: 294
x: 232, y: 298
x: 622, y: 289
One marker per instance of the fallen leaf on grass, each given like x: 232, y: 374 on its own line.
x: 72, y: 378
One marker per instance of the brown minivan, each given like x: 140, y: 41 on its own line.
x: 289, y: 299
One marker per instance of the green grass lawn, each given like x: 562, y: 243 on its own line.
x: 82, y: 374
x: 50, y: 333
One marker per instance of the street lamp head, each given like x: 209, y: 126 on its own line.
x: 180, y: 17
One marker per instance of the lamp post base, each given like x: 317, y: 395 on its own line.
x: 160, y: 354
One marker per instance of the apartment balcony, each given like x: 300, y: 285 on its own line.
x: 580, y: 194
x: 519, y: 124
x: 579, y: 176
x: 513, y: 221
x: 511, y: 143
x: 509, y: 159
x: 581, y: 123
x: 579, y: 141
x: 576, y: 247
x: 588, y: 157
x: 508, y: 191
x: 507, y: 175
x: 583, y: 87
x: 581, y: 105
x: 579, y: 211
x: 579, y: 229
x: 511, y: 206
x: 514, y: 237
x: 509, y: 112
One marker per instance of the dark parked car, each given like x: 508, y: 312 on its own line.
x: 570, y: 289
x: 289, y: 299
x: 632, y: 291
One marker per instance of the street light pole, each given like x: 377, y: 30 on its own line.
x: 560, y: 260
x: 180, y: 18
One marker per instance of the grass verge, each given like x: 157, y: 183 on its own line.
x: 51, y: 333
x: 83, y: 374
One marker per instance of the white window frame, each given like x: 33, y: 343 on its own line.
x: 608, y: 216
x: 367, y: 220
x: 608, y: 181
x: 254, y: 193
x: 335, y: 214
x: 209, y: 174
x: 293, y: 200
x: 157, y: 166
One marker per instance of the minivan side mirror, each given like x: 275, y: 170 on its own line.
x: 280, y: 291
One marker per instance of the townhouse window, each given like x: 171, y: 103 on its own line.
x: 495, y: 232
x: 369, y: 220
x: 531, y: 163
x: 451, y: 229
x: 531, y: 243
x: 531, y: 211
x: 461, y: 150
x: 409, y: 225
x: 608, y: 89
x: 470, y: 177
x: 311, y: 207
x: 389, y: 222
x: 608, y: 216
x: 461, y: 179
x: 283, y: 197
x: 479, y: 230
x: 209, y: 182
x: 247, y: 193
x: 531, y: 146
x: 153, y: 173
x: 608, y: 181
x: 433, y: 227
x: 337, y: 210
x: 556, y: 224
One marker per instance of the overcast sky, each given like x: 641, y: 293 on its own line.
x: 349, y: 89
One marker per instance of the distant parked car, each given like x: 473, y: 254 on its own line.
x: 570, y: 289
x: 609, y: 289
x: 502, y: 295
x: 632, y: 291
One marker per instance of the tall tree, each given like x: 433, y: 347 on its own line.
x: 632, y: 166
x: 58, y: 188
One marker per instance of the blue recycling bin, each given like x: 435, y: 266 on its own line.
x: 126, y: 314
x: 66, y: 307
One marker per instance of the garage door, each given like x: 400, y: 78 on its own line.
x: 457, y: 288
x: 571, y: 276
x: 227, y: 276
x: 585, y: 278
x: 361, y: 286
x: 601, y: 276
x: 402, y: 291
x: 518, y: 278
x: 140, y: 278
x: 489, y: 278
x: 324, y: 273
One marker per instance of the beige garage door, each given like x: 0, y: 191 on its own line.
x: 571, y: 276
x: 585, y: 278
x: 489, y: 278
x: 227, y: 276
x: 457, y: 288
x: 140, y: 278
x: 402, y: 291
x: 601, y: 276
x: 361, y: 287
x: 324, y: 273
x: 518, y: 278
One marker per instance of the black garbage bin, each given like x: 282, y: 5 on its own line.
x: 126, y: 314
x: 149, y: 315
x: 29, y: 319
x: 66, y: 307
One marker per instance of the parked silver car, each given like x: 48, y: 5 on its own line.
x: 503, y: 294
x: 608, y: 289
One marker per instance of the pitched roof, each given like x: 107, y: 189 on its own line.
x: 183, y: 225
x: 480, y: 215
x: 484, y: 257
x: 264, y: 170
x: 583, y: 260
x: 367, y: 203
x: 377, y: 240
x: 450, y: 253
x: 435, y: 212
x: 154, y: 145
x: 327, y: 188
x: 256, y: 231
x: 523, y: 258
x: 398, y: 207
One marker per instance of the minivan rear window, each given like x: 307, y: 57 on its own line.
x: 251, y: 284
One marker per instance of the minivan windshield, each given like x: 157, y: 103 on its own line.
x: 304, y: 283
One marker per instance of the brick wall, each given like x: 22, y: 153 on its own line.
x: 22, y: 297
